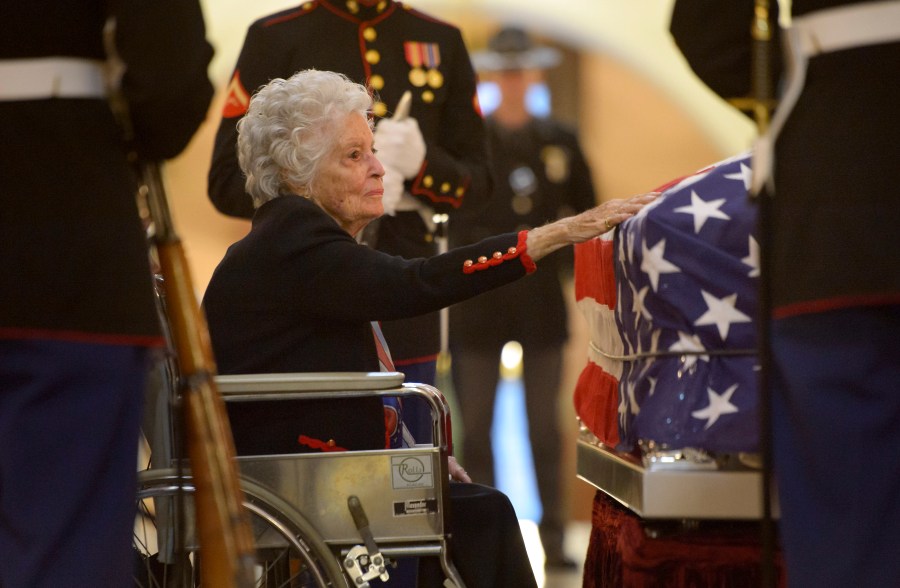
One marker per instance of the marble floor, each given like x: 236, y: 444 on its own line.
x: 577, y: 535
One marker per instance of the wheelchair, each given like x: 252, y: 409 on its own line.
x: 324, y: 520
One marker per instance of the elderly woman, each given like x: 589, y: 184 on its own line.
x: 299, y: 294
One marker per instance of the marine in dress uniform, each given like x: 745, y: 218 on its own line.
x: 834, y: 283
x: 391, y: 48
x: 77, y: 310
x: 541, y: 175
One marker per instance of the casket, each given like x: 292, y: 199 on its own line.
x: 668, y: 400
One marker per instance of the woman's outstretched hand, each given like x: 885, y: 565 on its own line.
x: 574, y: 229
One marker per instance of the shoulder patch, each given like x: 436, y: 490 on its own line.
x: 237, y: 99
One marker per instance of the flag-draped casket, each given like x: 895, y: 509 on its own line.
x: 670, y: 298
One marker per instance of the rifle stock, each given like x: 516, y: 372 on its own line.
x: 225, y: 532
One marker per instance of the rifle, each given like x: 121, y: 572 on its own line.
x: 225, y: 531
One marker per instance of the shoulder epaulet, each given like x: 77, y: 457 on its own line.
x: 289, y: 14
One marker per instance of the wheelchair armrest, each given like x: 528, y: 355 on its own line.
x: 302, y: 382
x: 325, y: 385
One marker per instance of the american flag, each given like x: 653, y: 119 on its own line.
x: 682, y: 357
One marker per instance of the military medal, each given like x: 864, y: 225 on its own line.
x: 417, y: 77
x: 435, y: 78
x: 423, y: 59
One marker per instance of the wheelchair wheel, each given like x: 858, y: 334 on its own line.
x: 290, y: 553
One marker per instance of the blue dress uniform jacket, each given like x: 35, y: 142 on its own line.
x: 391, y: 48
x: 833, y: 216
x: 836, y: 210
x: 74, y: 250
x: 297, y: 294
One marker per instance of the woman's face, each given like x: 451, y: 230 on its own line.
x: 348, y: 185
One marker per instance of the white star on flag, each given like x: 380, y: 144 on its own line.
x: 721, y: 312
x: 652, y: 385
x: 719, y: 404
x: 632, y: 400
x: 653, y: 263
x: 689, y: 343
x: 637, y: 305
x: 752, y: 258
x: 623, y: 412
x: 703, y: 210
x: 745, y: 175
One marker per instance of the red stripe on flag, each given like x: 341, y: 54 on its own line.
x: 595, y: 271
x: 597, y: 403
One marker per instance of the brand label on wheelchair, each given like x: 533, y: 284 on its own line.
x: 421, y: 506
x: 411, y: 472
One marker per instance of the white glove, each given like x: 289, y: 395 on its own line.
x: 393, y: 190
x: 400, y: 145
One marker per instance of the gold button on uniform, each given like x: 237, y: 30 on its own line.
x: 369, y: 34
x: 376, y: 82
x: 445, y: 187
x: 373, y: 56
x: 428, y: 96
x: 460, y: 191
x: 427, y: 181
x: 379, y: 109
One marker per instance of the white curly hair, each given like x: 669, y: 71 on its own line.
x: 288, y: 128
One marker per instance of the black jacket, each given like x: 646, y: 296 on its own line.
x: 297, y: 294
x: 73, y: 248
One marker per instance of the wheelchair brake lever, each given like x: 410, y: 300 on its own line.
x: 364, y: 564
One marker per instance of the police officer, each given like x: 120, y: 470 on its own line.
x: 77, y: 313
x: 435, y: 162
x: 541, y: 175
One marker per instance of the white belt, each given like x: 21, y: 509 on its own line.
x: 822, y: 31
x: 51, y: 77
x: 846, y: 27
